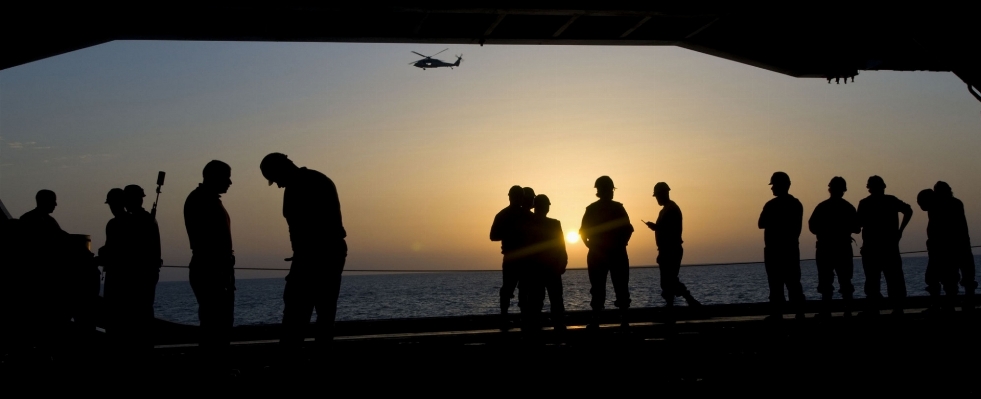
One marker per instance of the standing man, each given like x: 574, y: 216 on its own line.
x: 113, y: 257
x: 605, y: 230
x: 212, y: 273
x: 956, y: 241
x: 550, y: 258
x: 142, y: 270
x: 509, y: 229
x: 881, y: 233
x: 313, y: 212
x: 781, y: 221
x: 667, y: 235
x: 833, y: 222
x: 46, y: 286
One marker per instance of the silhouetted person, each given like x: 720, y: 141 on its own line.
x: 550, y: 256
x: 313, y: 212
x: 531, y: 282
x: 941, y: 274
x: 605, y: 230
x: 955, y: 240
x: 47, y: 280
x: 667, y: 235
x: 509, y: 229
x: 833, y: 222
x: 781, y: 221
x: 131, y: 285
x: 881, y: 232
x: 114, y: 257
x: 212, y: 273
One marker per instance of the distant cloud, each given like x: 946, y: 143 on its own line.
x: 20, y: 145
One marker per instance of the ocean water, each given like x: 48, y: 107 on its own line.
x: 411, y: 295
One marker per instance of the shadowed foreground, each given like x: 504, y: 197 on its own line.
x: 723, y: 348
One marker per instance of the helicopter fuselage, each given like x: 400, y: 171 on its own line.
x: 434, y: 63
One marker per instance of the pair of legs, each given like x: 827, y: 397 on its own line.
x: 213, y: 283
x: 945, y: 269
x: 129, y: 298
x: 783, y: 270
x: 313, y: 283
x: 511, y: 270
x: 599, y: 263
x: 835, y: 259
x: 669, y: 265
x: 878, y: 262
x: 553, y: 285
x: 531, y: 296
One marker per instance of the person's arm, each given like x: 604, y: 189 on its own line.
x: 628, y: 229
x: 563, y: 254
x: 799, y: 220
x: 763, y: 222
x: 853, y: 222
x: 907, y: 215
x: 584, y: 229
x: 495, y: 232
x: 813, y: 223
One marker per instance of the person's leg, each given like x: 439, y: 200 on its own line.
x: 968, y: 279
x: 895, y: 280
x: 620, y: 275
x: 531, y: 297
x: 327, y: 295
x: 825, y: 260
x: 795, y: 291
x: 872, y: 266
x: 845, y: 268
x: 553, y: 284
x: 774, y: 279
x: 510, y: 283
x: 597, y: 270
x: 297, y: 310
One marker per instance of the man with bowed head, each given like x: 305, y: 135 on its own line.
x: 313, y: 212
x: 781, y: 221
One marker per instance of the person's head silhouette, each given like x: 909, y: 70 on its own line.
x: 46, y: 201
x: 217, y: 176
x: 116, y: 199
x: 876, y: 185
x: 277, y: 168
x: 604, y: 187
x: 542, y: 205
x: 925, y: 199
x: 837, y: 187
x: 516, y: 196
x: 779, y: 183
x: 943, y: 189
x: 133, y: 195
x: 661, y: 193
x: 529, y: 198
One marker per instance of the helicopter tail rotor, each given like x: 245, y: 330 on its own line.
x: 458, y: 59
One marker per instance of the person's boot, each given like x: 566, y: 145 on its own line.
x: 825, y: 312
x: 624, y: 319
x: 594, y: 319
x: 505, y: 324
x: 691, y: 301
x: 967, y: 303
x: 847, y: 299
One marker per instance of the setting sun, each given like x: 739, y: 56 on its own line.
x: 572, y: 237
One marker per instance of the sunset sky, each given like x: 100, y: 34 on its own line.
x: 423, y: 159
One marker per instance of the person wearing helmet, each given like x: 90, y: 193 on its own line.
x: 313, y: 212
x: 549, y: 259
x: 833, y: 222
x: 667, y: 235
x: 114, y: 254
x: 509, y: 227
x: 605, y: 230
x: 951, y: 242
x: 782, y: 221
x: 881, y: 232
x: 134, y: 279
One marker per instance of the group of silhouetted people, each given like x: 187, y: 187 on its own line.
x: 535, y: 255
x: 67, y: 292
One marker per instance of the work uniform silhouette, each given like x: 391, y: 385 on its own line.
x: 941, y: 274
x: 531, y: 283
x: 951, y: 241
x: 549, y: 259
x: 313, y: 212
x: 834, y: 221
x: 605, y: 230
x: 132, y: 280
x: 212, y: 273
x: 881, y: 233
x: 667, y: 234
x: 47, y: 286
x: 509, y: 228
x: 781, y: 221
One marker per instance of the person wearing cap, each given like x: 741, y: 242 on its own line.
x: 834, y: 221
x: 881, y: 232
x: 113, y: 256
x: 313, y: 212
x: 44, y: 284
x: 134, y: 279
x: 605, y: 230
x: 667, y: 235
x: 782, y: 221
x: 549, y: 260
x: 509, y: 227
x: 212, y: 273
x: 950, y: 242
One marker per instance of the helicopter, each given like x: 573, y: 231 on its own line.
x: 429, y: 62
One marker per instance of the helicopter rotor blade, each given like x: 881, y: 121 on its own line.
x: 413, y: 52
x: 439, y: 52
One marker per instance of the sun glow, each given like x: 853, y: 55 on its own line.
x: 572, y: 237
